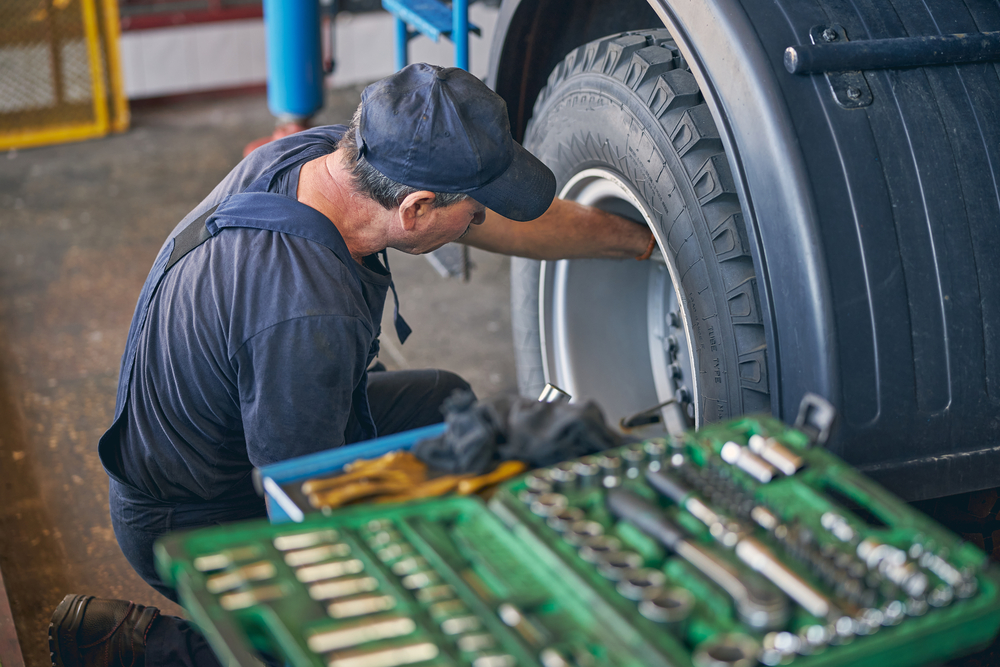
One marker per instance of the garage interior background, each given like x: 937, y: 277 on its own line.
x: 80, y: 225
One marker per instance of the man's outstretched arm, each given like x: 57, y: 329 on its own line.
x: 567, y: 230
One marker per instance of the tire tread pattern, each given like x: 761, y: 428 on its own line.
x: 650, y: 65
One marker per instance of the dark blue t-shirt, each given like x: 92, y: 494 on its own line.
x: 255, y: 343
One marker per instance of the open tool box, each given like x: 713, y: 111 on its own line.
x: 741, y: 545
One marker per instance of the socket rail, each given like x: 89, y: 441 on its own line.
x: 739, y: 545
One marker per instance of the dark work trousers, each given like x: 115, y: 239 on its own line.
x: 400, y: 401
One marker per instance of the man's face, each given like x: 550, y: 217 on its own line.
x: 446, y: 224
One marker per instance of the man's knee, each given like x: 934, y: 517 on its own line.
x: 404, y: 400
x: 448, y: 383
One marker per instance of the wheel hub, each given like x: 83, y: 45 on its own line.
x: 616, y: 331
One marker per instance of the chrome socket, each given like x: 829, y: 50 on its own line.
x: 619, y: 564
x: 587, y: 471
x: 229, y: 557
x: 562, y: 519
x: 247, y: 598
x: 227, y: 581
x: 778, y: 647
x: 418, y: 580
x: 527, y: 496
x: 539, y: 481
x: 868, y: 622
x: 671, y: 606
x: 383, y: 538
x: 386, y: 627
x: 548, y: 503
x: 813, y: 638
x: 893, y: 612
x: 499, y: 660
x: 596, y: 549
x: 775, y: 453
x: 409, y: 565
x: 440, y: 611
x: 634, y: 457
x: 564, y: 475
x: 435, y: 593
x: 642, y: 584
x: 387, y: 657
x: 460, y: 625
x: 316, y: 554
x: 304, y: 540
x: 394, y: 552
x: 941, y: 595
x: 331, y: 570
x: 837, y: 526
x: 375, y: 525
x: 748, y: 462
x: 476, y: 642
x: 581, y: 531
x: 611, y: 470
x: 550, y: 657
x: 656, y: 453
x: 341, y: 588
x: 916, y: 607
x: 732, y: 650
x: 841, y: 631
x: 361, y: 606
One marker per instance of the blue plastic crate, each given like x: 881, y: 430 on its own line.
x: 270, y: 479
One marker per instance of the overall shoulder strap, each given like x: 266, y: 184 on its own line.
x: 187, y: 240
x: 190, y: 238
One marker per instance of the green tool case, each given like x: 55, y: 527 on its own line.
x: 741, y: 544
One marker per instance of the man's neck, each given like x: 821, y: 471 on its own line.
x: 325, y: 184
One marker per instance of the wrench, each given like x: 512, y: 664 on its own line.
x: 758, y: 602
x: 747, y: 548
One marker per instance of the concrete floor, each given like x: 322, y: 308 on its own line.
x: 80, y: 225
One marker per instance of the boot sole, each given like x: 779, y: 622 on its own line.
x: 69, y: 610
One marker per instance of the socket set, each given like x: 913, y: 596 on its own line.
x: 436, y: 583
x: 744, y: 544
x: 740, y: 544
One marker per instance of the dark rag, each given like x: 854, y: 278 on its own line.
x: 478, y: 434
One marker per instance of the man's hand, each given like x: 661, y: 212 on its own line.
x: 567, y: 230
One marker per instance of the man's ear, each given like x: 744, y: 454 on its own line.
x: 414, y: 207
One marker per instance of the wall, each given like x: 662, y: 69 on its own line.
x: 231, y: 54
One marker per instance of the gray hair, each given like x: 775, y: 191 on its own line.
x: 371, y: 183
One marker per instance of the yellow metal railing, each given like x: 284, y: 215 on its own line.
x: 60, y: 72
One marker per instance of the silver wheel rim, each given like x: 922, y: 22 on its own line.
x: 606, y: 338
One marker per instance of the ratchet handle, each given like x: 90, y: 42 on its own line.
x: 758, y: 602
x: 628, y: 506
x: 669, y: 486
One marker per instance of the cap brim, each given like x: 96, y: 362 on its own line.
x: 523, y: 192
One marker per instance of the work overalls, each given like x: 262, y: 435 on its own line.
x: 137, y: 517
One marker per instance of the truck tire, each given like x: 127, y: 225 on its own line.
x: 624, y: 127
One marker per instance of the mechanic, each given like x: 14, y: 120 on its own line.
x: 254, y: 331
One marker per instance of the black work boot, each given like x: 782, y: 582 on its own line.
x: 86, y: 632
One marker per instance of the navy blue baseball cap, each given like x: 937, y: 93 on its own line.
x: 442, y: 129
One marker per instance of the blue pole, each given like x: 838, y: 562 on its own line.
x: 460, y: 32
x: 402, y: 37
x: 294, y: 58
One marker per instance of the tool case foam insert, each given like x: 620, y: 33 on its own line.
x: 703, y: 554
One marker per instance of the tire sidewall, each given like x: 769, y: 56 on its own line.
x: 593, y: 120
